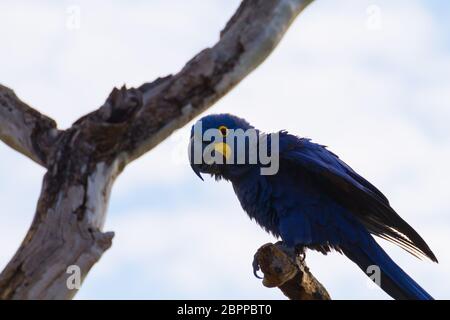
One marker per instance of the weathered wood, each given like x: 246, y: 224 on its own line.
x: 84, y: 160
x: 66, y: 230
x: 25, y: 129
x: 293, y: 278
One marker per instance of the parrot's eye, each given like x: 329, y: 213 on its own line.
x: 223, y: 130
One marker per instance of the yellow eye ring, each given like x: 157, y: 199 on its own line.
x: 223, y: 130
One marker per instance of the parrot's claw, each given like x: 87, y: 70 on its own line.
x: 301, y: 253
x: 256, y: 268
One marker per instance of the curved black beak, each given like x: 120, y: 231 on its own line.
x: 194, y: 167
x: 197, y: 172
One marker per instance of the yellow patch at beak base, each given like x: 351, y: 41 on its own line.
x: 223, y: 149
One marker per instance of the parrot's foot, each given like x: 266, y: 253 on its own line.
x: 292, y: 252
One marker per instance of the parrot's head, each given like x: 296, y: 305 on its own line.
x: 219, y: 145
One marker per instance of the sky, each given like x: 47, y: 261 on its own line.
x: 369, y: 79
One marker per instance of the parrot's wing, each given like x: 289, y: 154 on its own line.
x: 319, y: 223
x: 339, y: 181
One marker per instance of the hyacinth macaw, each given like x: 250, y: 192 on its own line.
x: 316, y: 201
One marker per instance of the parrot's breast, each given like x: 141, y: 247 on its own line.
x: 255, y: 195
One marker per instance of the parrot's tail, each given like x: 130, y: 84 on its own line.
x: 393, y: 280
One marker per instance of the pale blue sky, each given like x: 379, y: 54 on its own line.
x: 377, y: 96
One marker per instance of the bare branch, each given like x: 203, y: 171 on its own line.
x: 25, y: 129
x: 66, y: 230
x: 293, y: 278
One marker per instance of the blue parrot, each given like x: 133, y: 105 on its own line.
x: 314, y: 201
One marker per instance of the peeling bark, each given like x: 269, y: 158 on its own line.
x: 67, y: 226
x: 84, y: 160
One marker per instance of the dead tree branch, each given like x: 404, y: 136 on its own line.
x: 25, y: 129
x: 293, y: 278
x: 84, y: 160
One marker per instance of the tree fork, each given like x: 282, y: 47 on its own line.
x: 84, y: 160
